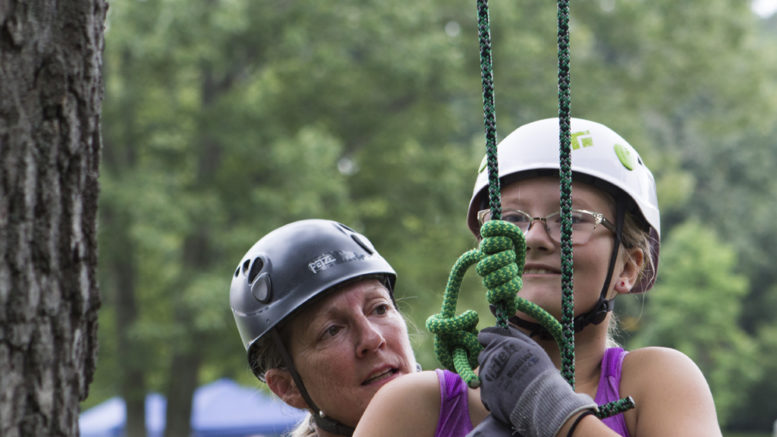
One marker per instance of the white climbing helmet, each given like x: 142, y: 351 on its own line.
x: 597, y: 152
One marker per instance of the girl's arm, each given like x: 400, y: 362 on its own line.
x: 409, y: 405
x: 671, y: 395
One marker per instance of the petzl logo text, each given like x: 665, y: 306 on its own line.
x: 323, y: 262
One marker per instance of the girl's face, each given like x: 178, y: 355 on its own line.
x: 348, y: 345
x: 539, y: 197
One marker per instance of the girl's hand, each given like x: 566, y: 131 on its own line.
x: 521, y: 386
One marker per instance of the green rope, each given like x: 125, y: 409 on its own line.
x: 615, y: 407
x: 567, y: 345
x: 455, y: 337
x: 499, y: 260
x: 489, y: 112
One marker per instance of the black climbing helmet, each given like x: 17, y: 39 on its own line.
x: 293, y: 264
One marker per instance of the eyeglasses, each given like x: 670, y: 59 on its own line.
x: 584, y: 223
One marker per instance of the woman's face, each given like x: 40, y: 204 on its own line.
x: 348, y: 345
x: 539, y: 197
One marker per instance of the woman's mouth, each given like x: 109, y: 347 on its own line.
x: 388, y: 373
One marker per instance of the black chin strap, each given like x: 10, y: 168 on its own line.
x: 322, y: 421
x: 598, y: 312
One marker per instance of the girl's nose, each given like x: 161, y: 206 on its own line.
x: 537, y: 237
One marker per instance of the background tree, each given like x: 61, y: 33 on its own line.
x: 50, y: 99
x: 700, y: 291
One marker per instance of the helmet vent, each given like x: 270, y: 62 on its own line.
x: 237, y: 271
x: 345, y: 228
x: 246, y: 263
x: 256, y: 267
x: 364, y: 245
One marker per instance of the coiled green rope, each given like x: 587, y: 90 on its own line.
x: 499, y: 260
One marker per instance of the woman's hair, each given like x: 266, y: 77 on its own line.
x: 306, y: 428
x: 264, y: 355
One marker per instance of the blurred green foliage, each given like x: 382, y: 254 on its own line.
x: 224, y: 119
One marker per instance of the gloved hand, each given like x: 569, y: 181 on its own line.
x: 521, y: 386
x: 490, y: 427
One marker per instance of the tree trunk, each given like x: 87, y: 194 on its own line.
x: 180, y: 392
x: 132, y: 378
x: 50, y: 101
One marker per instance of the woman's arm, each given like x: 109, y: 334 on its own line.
x: 409, y: 405
x: 671, y: 394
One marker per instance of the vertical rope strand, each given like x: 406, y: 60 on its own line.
x: 489, y: 112
x: 565, y: 176
x: 489, y: 122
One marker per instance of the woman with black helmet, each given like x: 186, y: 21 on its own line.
x: 313, y: 302
x: 616, y: 237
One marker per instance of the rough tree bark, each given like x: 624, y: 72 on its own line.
x: 50, y: 101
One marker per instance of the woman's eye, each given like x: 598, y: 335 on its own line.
x: 331, y: 331
x: 382, y: 309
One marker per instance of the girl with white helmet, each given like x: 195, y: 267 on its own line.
x: 615, y: 238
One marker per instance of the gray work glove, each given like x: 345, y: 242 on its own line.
x: 490, y: 427
x: 521, y: 386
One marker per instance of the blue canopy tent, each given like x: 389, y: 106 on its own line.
x: 221, y: 408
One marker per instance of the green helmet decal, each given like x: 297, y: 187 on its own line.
x: 581, y: 139
x: 625, y: 156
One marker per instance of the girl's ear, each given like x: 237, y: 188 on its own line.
x: 282, y: 384
x: 634, y: 260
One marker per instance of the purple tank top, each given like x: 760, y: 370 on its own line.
x: 609, y: 387
x: 454, y: 408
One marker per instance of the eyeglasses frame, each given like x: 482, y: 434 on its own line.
x: 599, y: 218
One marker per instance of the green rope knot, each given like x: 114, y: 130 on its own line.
x: 504, y: 251
x: 454, y: 334
x: 455, y: 337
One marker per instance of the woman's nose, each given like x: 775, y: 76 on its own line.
x: 370, y: 338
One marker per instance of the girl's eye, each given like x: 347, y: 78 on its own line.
x: 515, y: 218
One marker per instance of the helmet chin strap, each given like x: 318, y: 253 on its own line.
x: 322, y: 421
x: 598, y: 312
